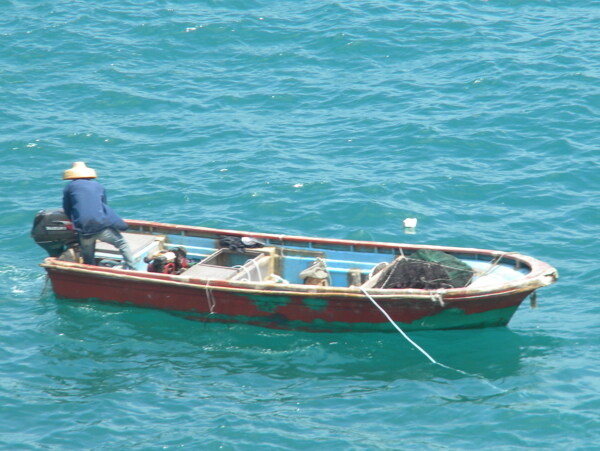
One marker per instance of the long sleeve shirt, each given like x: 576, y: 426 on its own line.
x: 84, y: 201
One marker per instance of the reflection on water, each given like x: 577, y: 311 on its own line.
x: 116, y: 333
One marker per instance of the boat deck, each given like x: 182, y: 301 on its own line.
x: 344, y: 268
x: 141, y: 245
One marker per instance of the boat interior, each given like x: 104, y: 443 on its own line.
x: 288, y: 261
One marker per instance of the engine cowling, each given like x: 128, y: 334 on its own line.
x: 53, y: 231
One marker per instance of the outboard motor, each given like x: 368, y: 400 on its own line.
x: 53, y: 231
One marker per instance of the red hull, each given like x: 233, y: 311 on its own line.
x: 282, y: 310
x: 253, y: 298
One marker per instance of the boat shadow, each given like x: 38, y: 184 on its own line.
x: 491, y: 353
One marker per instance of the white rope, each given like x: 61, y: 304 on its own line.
x: 210, y: 298
x: 248, y: 275
x: 438, y: 297
x: 495, y: 262
x: 431, y: 359
x: 381, y: 266
x: 257, y: 266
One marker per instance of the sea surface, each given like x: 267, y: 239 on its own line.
x: 321, y: 118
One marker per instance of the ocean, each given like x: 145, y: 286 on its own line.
x: 316, y: 118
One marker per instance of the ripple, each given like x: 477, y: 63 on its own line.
x: 321, y: 119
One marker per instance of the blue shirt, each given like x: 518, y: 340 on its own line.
x: 84, y: 201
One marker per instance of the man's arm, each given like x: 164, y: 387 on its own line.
x: 67, y: 201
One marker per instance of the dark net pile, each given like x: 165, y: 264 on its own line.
x: 427, y: 270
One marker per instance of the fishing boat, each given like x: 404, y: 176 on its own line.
x: 289, y: 282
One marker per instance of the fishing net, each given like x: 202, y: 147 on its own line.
x: 426, y: 269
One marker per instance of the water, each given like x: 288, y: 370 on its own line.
x: 335, y: 119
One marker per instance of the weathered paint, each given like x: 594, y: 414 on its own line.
x: 318, y: 304
x: 292, y: 306
x: 289, y: 312
x: 269, y: 303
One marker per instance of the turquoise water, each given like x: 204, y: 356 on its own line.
x: 335, y: 119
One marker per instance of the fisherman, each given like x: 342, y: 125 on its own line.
x: 84, y: 202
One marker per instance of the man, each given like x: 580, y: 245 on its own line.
x: 84, y: 201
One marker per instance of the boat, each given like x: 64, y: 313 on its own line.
x: 289, y: 282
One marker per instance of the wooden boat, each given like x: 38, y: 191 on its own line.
x: 263, y: 286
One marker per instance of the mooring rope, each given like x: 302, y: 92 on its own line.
x: 420, y: 349
x: 393, y: 323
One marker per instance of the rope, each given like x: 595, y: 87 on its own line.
x: 381, y: 266
x: 248, y: 273
x: 210, y: 298
x: 257, y: 266
x: 431, y: 359
x: 393, y: 323
x: 495, y: 262
x: 45, y: 288
x: 389, y: 276
x: 438, y: 297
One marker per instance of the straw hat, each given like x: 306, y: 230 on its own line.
x: 79, y: 171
